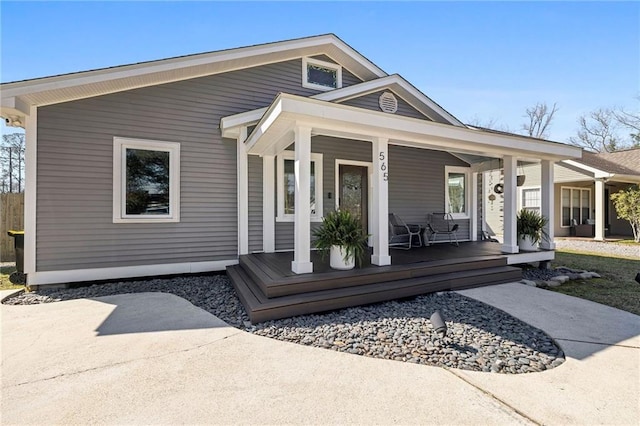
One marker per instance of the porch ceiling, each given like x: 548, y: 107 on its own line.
x: 274, y: 132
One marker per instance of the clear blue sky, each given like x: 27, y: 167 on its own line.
x: 477, y: 59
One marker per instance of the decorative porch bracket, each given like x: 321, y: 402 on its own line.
x: 546, y: 203
x: 510, y: 244
x: 302, y: 217
x: 380, y: 214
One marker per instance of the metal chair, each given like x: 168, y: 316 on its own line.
x: 442, y: 223
x: 401, y: 233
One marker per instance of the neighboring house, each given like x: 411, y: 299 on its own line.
x: 181, y: 165
x: 582, y: 193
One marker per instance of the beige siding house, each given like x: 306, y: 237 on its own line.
x: 182, y: 165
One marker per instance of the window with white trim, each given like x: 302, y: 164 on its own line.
x: 531, y: 199
x: 146, y: 181
x: 457, y: 191
x: 286, y: 187
x: 575, y: 205
x: 321, y: 75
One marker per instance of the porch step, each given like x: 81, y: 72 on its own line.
x: 261, y: 308
x: 273, y: 282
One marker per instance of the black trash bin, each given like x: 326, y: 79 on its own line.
x: 18, y: 244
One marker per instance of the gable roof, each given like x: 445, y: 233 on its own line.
x: 623, y: 165
x: 230, y: 125
x: 79, y: 85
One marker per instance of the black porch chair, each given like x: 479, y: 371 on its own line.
x: 442, y: 223
x: 401, y: 234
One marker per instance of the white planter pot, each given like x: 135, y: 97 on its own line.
x: 337, y: 259
x: 526, y: 244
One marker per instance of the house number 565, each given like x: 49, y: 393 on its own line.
x: 383, y: 166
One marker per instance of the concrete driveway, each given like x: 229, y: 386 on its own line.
x: 155, y: 358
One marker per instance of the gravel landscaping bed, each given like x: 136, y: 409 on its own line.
x: 480, y: 337
x: 602, y: 247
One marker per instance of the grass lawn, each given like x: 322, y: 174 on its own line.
x: 5, y: 284
x: 616, y: 288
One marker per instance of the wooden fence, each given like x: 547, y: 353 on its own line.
x: 12, y: 208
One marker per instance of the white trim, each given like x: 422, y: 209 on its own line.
x: 301, y: 263
x: 243, y: 194
x: 599, y: 209
x: 318, y: 167
x: 120, y: 145
x: 380, y: 226
x: 86, y: 84
x: 521, y: 190
x: 529, y: 257
x: 356, y: 123
x: 547, y: 198
x: 322, y: 64
x: 597, y: 173
x: 97, y: 274
x: 268, y: 204
x: 467, y: 187
x: 579, y: 188
x: 369, y: 166
x: 30, y: 192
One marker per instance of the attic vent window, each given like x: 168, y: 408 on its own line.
x: 388, y: 103
x: 321, y: 75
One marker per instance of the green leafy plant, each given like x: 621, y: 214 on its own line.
x: 627, y: 204
x: 531, y: 224
x: 341, y: 228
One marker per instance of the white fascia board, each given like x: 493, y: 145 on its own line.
x: 230, y: 125
x: 173, y: 64
x: 99, y: 274
x: 325, y: 115
x: 592, y: 171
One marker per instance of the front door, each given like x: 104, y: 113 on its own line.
x: 354, y: 186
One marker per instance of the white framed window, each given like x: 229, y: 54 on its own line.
x: 146, y: 181
x: 575, y: 206
x: 457, y: 191
x: 321, y: 75
x: 531, y: 199
x: 286, y: 187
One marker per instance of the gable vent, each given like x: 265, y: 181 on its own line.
x: 388, y: 103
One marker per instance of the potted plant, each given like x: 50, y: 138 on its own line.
x: 341, y: 234
x: 530, y: 225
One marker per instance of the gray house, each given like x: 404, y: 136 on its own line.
x: 183, y: 165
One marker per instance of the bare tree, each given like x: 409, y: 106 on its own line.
x: 12, y: 163
x: 630, y: 121
x: 598, y: 131
x: 539, y: 120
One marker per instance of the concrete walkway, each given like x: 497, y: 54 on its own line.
x: 155, y: 358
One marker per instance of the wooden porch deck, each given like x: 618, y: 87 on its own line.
x: 269, y: 290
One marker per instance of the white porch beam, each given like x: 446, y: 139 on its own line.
x: 31, y: 150
x: 600, y: 200
x: 474, y: 206
x: 268, y: 204
x: 302, y: 218
x: 510, y: 244
x: 243, y: 194
x: 380, y: 216
x: 546, y: 203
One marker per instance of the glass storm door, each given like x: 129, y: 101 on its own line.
x: 353, y: 192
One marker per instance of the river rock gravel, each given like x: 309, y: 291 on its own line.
x: 480, y: 337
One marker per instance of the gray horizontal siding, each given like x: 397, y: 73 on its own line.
x: 416, y: 184
x: 370, y: 102
x: 75, y: 146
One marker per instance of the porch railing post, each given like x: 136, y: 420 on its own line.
x: 510, y: 244
x: 380, y: 215
x: 301, y: 263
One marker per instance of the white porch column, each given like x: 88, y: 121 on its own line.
x: 243, y: 194
x: 268, y: 204
x: 474, y: 206
x: 302, y: 218
x: 380, y: 214
x: 510, y: 244
x: 599, y: 234
x: 546, y: 203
